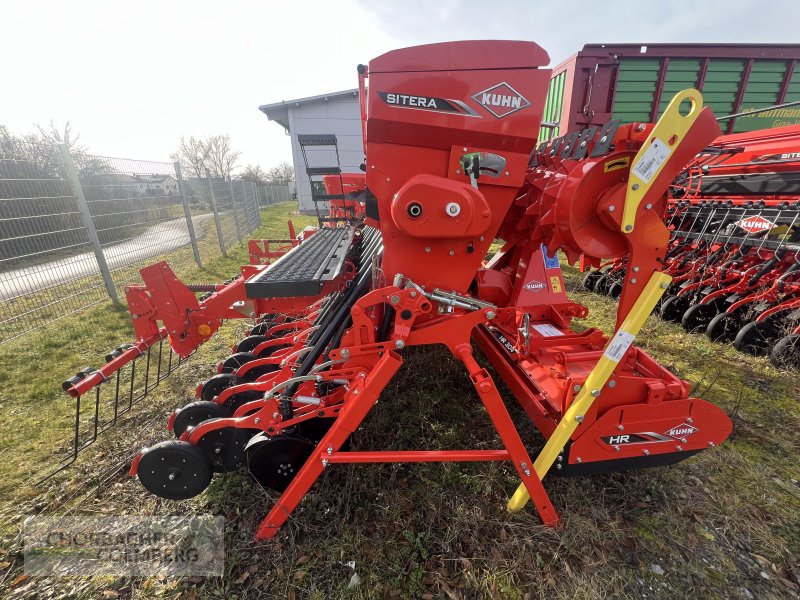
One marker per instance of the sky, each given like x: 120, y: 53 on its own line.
x: 133, y: 77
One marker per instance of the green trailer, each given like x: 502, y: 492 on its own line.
x: 635, y: 82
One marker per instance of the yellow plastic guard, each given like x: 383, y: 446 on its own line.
x: 648, y: 162
x: 615, y: 350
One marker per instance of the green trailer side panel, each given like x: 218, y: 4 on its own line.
x: 763, y: 87
x: 793, y: 91
x: 552, y: 106
x: 637, y: 79
x: 721, y: 84
x: 681, y: 74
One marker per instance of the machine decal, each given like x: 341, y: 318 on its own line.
x: 645, y: 437
x: 534, y: 286
x: 785, y: 156
x: 547, y: 330
x: 679, y: 433
x: 503, y: 340
x: 682, y: 430
x: 618, y: 345
x: 550, y: 262
x: 501, y: 100
x: 555, y: 284
x: 651, y: 161
x: 617, y: 163
x: 428, y: 103
x: 755, y: 224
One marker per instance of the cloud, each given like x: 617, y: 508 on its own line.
x: 133, y: 77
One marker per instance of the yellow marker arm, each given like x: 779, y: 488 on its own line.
x: 615, y: 350
x: 648, y: 162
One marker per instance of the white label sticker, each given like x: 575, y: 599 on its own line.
x: 620, y: 343
x: 651, y: 161
x: 546, y: 330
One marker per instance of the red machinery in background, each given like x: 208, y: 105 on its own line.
x: 451, y: 165
x: 734, y: 254
x: 348, y: 191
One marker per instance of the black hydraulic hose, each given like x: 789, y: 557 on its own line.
x: 765, y: 268
x: 388, y: 319
x: 327, y: 332
x: 789, y: 272
x: 334, y: 299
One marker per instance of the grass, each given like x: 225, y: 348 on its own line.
x: 724, y: 524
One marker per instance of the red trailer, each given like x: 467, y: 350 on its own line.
x: 635, y: 82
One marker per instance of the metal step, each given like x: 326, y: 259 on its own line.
x: 326, y: 197
x: 316, y: 139
x: 314, y: 171
x: 305, y: 268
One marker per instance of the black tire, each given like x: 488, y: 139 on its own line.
x: 225, y: 447
x: 234, y: 361
x: 236, y: 400
x: 786, y: 352
x: 175, y: 470
x: 697, y: 317
x: 315, y: 429
x: 590, y: 279
x: 270, y: 350
x: 212, y: 388
x: 723, y: 327
x: 614, y: 290
x: 261, y: 328
x: 256, y: 372
x: 195, y: 413
x: 754, y: 338
x: 600, y: 285
x: 249, y: 343
x: 273, y: 462
x: 673, y: 308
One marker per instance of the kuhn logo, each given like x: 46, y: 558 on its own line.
x: 755, y: 224
x: 682, y: 430
x: 501, y: 100
x: 533, y: 286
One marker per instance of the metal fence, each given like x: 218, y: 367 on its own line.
x: 75, y: 229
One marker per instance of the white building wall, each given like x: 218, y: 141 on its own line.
x: 339, y: 116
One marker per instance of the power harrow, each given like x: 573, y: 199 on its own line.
x: 451, y: 166
x: 734, y: 250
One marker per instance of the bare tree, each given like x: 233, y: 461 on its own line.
x: 53, y: 136
x: 40, y: 149
x: 221, y: 159
x: 283, y: 173
x: 253, y: 173
x: 192, y: 154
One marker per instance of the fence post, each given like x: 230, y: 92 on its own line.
x: 216, y: 214
x: 235, y: 215
x: 256, y: 204
x: 75, y: 181
x: 188, y: 215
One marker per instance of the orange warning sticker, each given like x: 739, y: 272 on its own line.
x: 555, y: 284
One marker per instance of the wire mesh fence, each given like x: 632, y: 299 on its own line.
x: 76, y: 228
x: 137, y: 210
x: 47, y: 265
x: 272, y: 194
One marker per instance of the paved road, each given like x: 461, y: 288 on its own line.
x: 155, y: 240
